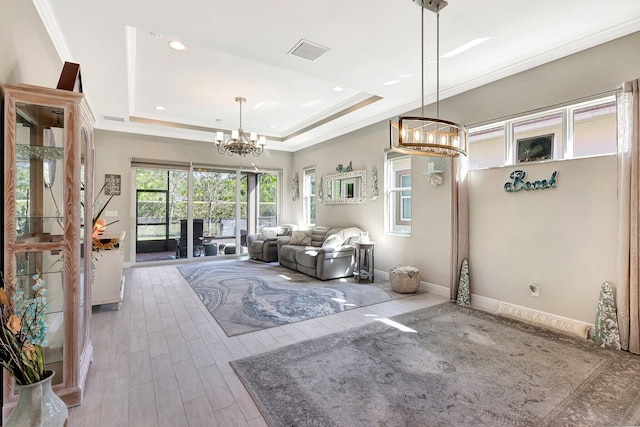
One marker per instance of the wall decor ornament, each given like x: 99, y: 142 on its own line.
x: 320, y: 190
x: 464, y: 292
x: 375, y: 192
x: 605, y: 331
x: 295, y: 184
x: 341, y: 169
x: 519, y: 183
x: 435, y: 170
x: 346, y: 187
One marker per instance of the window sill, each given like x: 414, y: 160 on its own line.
x: 397, y: 234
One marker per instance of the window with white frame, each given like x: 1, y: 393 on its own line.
x: 574, y: 131
x: 309, y: 196
x: 398, y: 193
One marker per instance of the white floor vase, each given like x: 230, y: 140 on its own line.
x: 39, y: 406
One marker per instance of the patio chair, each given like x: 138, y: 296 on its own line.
x: 181, y: 243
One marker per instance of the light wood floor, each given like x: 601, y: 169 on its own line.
x: 162, y: 360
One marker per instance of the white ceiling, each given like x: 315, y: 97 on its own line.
x: 240, y: 48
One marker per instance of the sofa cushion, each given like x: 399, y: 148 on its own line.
x: 300, y: 237
x: 288, y: 252
x: 318, y: 234
x: 268, y: 233
x: 334, y: 241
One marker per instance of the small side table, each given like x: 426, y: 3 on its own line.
x: 365, y: 261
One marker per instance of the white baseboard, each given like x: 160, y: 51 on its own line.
x: 528, y: 315
x: 442, y: 291
x: 383, y: 274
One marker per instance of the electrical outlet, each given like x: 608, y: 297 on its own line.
x: 535, y: 289
x: 110, y: 213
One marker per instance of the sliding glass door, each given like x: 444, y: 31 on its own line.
x: 161, y: 202
x: 224, y: 205
x: 267, y: 199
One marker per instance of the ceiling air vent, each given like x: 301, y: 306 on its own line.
x: 113, y: 118
x: 307, y: 50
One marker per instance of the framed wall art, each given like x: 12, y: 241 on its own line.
x: 535, y: 148
x: 112, y: 185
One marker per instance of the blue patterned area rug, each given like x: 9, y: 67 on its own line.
x: 453, y: 366
x: 245, y: 295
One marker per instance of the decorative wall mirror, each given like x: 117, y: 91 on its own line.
x: 348, y: 187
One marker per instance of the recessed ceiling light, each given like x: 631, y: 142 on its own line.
x: 159, y: 108
x: 338, y: 89
x: 390, y: 82
x: 258, y: 105
x: 465, y: 46
x: 273, y: 126
x: 175, y: 44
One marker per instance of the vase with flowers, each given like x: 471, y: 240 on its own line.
x: 100, y: 225
x: 23, y: 335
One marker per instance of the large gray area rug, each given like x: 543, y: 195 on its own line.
x: 245, y: 296
x: 461, y: 367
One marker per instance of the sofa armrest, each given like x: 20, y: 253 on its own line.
x: 283, y: 240
x: 252, y: 238
x: 335, y: 253
x: 344, y: 248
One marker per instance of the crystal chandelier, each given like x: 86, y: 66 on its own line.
x: 426, y: 136
x: 240, y: 143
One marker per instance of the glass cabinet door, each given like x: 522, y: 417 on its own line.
x: 40, y: 200
x: 39, y: 174
x: 49, y: 265
x: 86, y: 214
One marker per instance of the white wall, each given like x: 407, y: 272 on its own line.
x: 27, y: 55
x: 563, y: 239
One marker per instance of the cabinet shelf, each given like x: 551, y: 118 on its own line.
x: 26, y: 152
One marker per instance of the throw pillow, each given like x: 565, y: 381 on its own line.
x: 300, y: 238
x: 334, y: 241
x: 268, y: 233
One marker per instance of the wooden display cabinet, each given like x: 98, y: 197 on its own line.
x: 48, y: 189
